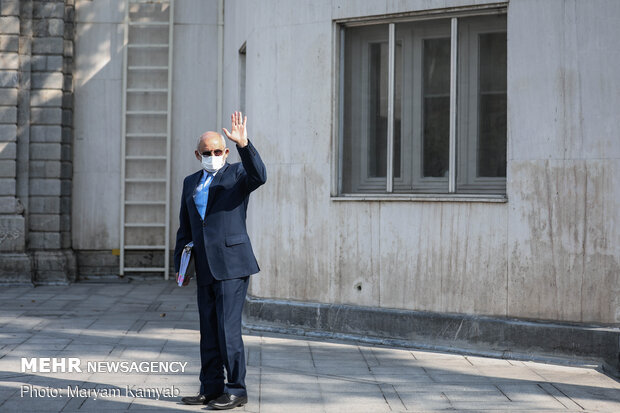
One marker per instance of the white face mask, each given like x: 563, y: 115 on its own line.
x: 212, y: 163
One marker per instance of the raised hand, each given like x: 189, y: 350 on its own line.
x: 239, y: 133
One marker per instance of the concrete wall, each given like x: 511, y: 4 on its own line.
x: 564, y: 197
x: 96, y: 173
x: 98, y: 90
x: 551, y: 252
x: 36, y: 140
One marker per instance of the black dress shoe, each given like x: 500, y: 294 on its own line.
x: 228, y: 401
x: 200, y: 399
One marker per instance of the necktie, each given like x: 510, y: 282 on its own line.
x: 201, y: 197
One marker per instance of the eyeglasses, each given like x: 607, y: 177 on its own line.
x: 216, y: 152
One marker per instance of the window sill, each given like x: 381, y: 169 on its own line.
x: 423, y: 198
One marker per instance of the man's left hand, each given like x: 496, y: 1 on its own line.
x: 239, y: 133
x: 185, y: 280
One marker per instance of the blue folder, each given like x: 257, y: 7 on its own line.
x: 186, y: 257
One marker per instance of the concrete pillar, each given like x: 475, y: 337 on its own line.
x: 50, y: 142
x: 36, y: 48
x: 15, y: 265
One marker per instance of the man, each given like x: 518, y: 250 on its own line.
x: 213, y: 212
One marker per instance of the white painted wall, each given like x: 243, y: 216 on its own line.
x: 551, y: 252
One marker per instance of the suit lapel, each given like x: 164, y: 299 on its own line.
x: 193, y: 184
x: 213, y: 187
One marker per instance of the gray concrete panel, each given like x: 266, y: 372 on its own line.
x: 563, y: 53
x: 195, y: 12
x: 96, y: 227
x: 194, y: 95
x: 448, y: 258
x: 560, y: 242
x: 99, y: 53
x: 100, y: 11
x: 97, y: 159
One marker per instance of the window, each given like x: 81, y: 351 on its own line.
x: 423, y: 107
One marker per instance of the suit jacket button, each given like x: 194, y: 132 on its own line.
x: 204, y: 224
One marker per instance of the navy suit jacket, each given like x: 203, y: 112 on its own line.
x: 222, y: 246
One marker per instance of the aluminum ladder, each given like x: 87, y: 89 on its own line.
x: 145, y: 130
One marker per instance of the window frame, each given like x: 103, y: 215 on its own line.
x: 339, y: 28
x: 362, y: 177
x: 415, y: 80
x: 468, y: 126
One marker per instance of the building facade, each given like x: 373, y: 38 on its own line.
x: 36, y: 141
x: 449, y: 157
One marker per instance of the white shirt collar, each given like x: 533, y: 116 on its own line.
x: 204, y: 172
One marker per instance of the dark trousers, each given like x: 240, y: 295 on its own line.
x: 220, y: 305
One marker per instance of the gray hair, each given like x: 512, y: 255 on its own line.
x: 204, y: 135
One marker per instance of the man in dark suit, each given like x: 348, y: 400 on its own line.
x: 213, y: 214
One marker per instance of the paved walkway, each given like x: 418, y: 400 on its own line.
x: 141, y: 322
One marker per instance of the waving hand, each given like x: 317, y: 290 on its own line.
x: 238, y: 133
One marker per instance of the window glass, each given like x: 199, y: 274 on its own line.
x: 436, y: 107
x: 492, y: 107
x: 398, y: 92
x: 378, y: 102
x: 421, y: 131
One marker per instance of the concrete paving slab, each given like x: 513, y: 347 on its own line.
x: 530, y: 394
x: 418, y: 401
x: 113, y: 323
x: 343, y: 386
x: 446, y: 377
x: 508, y: 373
x: 413, y: 380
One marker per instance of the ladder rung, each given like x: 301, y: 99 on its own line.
x: 148, y: 46
x: 146, y: 90
x: 144, y: 225
x: 147, y: 68
x: 145, y: 247
x: 144, y: 269
x: 147, y: 112
x: 145, y: 202
x: 146, y: 135
x: 145, y: 158
x: 149, y: 24
x: 145, y: 180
